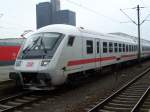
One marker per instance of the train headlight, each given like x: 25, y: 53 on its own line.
x: 18, y: 62
x: 45, y: 62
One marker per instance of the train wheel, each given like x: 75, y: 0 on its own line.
x: 18, y: 85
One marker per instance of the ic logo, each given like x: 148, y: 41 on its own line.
x: 29, y: 64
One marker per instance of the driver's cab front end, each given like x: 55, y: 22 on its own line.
x: 32, y: 66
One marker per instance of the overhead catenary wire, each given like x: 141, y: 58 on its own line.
x: 142, y: 2
x: 139, y: 23
x: 128, y: 16
x: 93, y: 11
x: 145, y: 19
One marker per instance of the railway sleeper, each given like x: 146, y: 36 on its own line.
x: 137, y: 89
x: 130, y: 96
x: 127, y: 99
x: 146, y: 83
x: 117, y: 109
x: 22, y: 100
x: 35, y: 96
x: 146, y: 106
x: 139, y: 86
x: 122, y: 101
x: 134, y: 92
x: 1, y: 110
x: 142, y: 88
x: 103, y: 110
x: 127, y: 105
x: 147, y: 101
x: 125, y: 93
x: 144, y: 110
x: 29, y: 98
x: 11, y: 103
x: 4, y: 106
x: 87, y: 109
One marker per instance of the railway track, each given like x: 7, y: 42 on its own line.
x: 133, y: 97
x: 23, y: 99
x: 17, y: 101
x: 27, y: 98
x: 6, y: 84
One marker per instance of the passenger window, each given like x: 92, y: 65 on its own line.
x: 89, y: 46
x: 116, y: 47
x: 97, y: 47
x: 123, y: 47
x: 136, y: 47
x: 120, y: 48
x: 110, y: 47
x: 132, y: 48
x: 104, y: 47
x: 70, y: 41
x: 127, y: 48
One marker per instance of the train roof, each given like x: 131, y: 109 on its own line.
x: 144, y: 41
x: 109, y: 36
x: 61, y: 28
x: 72, y: 30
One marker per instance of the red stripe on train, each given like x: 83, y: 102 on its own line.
x: 92, y: 60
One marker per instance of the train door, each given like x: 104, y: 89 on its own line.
x: 89, y: 53
x: 97, y: 53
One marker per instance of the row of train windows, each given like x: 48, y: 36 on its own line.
x: 118, y: 47
x: 110, y: 47
x: 145, y: 48
x: 113, y: 47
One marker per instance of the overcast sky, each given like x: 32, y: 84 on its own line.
x: 100, y: 15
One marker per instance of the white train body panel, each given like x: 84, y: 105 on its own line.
x: 85, y: 53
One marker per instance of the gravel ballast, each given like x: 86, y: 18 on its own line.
x: 80, y: 98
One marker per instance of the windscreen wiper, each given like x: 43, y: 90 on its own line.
x: 43, y: 45
x: 29, y: 47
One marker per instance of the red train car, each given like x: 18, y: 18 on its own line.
x: 9, y: 49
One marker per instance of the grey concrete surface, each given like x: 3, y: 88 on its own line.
x: 4, y: 72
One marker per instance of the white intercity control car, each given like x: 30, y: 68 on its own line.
x: 55, y: 52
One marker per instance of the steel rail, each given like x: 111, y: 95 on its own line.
x: 141, y: 100
x: 4, y: 107
x: 15, y: 96
x: 101, y: 104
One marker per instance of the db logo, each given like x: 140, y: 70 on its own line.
x: 29, y: 64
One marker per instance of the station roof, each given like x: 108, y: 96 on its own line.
x: 11, y: 41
